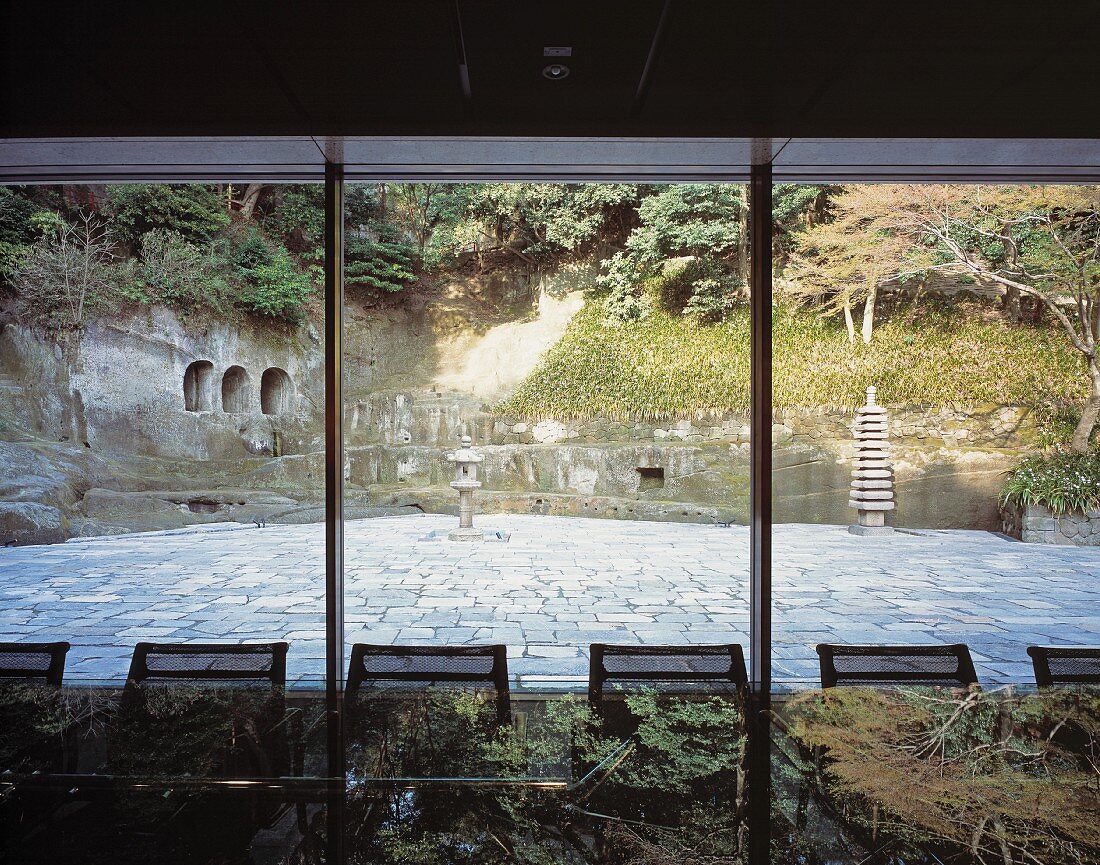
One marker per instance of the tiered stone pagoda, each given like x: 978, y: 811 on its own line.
x: 466, y: 461
x: 872, y: 492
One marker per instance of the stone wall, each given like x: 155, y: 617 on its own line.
x: 979, y: 426
x: 949, y: 461
x: 432, y: 417
x: 1037, y: 524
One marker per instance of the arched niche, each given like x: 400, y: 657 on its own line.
x: 198, y: 385
x: 235, y: 391
x: 276, y: 392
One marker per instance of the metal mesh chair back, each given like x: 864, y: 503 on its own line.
x: 33, y: 661
x: 664, y: 665
x: 890, y: 665
x: 409, y: 665
x: 1065, y: 665
x: 209, y: 663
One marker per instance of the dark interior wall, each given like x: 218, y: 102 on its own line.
x: 474, y: 67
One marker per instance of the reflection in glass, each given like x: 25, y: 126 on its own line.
x: 660, y: 776
x: 925, y: 775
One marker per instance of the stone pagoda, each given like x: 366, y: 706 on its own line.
x: 872, y: 492
x: 466, y: 461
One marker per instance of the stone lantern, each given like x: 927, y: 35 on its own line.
x: 466, y: 461
x: 872, y: 493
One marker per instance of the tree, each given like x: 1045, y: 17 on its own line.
x: 1035, y: 241
x: 420, y: 207
x: 691, y: 239
x: 194, y: 211
x: 694, y: 240
x: 537, y: 223
x: 267, y: 281
x: 846, y: 261
x: 246, y: 204
x: 67, y: 272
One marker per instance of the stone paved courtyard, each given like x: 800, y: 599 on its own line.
x: 555, y: 586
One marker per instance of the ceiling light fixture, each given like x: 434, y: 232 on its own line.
x: 555, y: 71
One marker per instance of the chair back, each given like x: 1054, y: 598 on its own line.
x: 209, y: 663
x: 1065, y: 665
x: 664, y: 664
x: 29, y: 662
x: 431, y: 665
x: 891, y: 665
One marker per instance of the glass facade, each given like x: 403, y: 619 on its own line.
x: 456, y: 548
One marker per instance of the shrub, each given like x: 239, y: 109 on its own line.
x: 250, y: 252
x: 381, y: 265
x: 1061, y: 480
x: 178, y: 274
x: 17, y: 229
x: 275, y: 288
x: 69, y: 272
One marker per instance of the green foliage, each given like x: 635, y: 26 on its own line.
x: 378, y: 264
x: 299, y: 217
x: 250, y: 251
x: 667, y: 366
x: 675, y: 776
x: 690, y: 235
x: 1061, y: 480
x: 698, y: 287
x: 16, y: 212
x: 680, y: 742
x: 265, y: 279
x: 194, y: 211
x: 17, y: 228
x: 190, y: 731
x: 536, y: 222
x: 275, y: 287
x: 377, y: 253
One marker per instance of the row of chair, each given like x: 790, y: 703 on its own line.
x: 949, y: 665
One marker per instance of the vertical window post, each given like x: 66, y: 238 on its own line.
x: 760, y: 506
x: 334, y: 501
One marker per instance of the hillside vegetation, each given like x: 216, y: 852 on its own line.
x: 668, y: 365
x: 665, y: 331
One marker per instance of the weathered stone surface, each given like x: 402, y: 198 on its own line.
x: 436, y: 501
x: 31, y: 523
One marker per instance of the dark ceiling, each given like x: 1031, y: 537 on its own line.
x: 474, y: 67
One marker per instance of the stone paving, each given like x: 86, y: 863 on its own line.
x: 555, y: 586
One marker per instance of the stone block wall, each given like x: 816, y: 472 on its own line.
x: 433, y: 418
x: 1037, y: 524
x: 949, y: 426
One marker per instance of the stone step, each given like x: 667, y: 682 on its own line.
x: 871, y: 506
x: 872, y: 495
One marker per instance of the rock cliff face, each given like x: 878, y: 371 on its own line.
x: 96, y: 419
x: 119, y: 387
x: 156, y: 422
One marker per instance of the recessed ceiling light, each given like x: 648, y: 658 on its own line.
x: 555, y: 71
